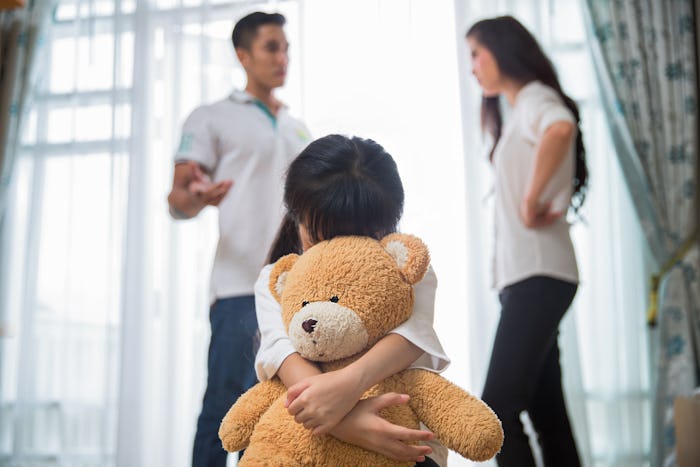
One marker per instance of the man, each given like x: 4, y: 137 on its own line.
x: 233, y: 154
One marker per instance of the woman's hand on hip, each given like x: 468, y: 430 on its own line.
x: 534, y: 214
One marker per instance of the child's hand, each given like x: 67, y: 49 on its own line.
x: 365, y: 428
x: 320, y: 402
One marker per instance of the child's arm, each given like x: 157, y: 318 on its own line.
x: 419, y: 328
x: 365, y: 428
x: 360, y: 423
x: 320, y: 401
x: 415, y: 338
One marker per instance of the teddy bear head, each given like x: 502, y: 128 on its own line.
x: 342, y: 295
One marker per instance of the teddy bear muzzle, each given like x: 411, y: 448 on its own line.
x: 326, y: 331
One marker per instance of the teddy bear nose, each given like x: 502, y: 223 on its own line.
x: 309, y: 325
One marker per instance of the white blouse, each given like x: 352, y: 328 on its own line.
x: 521, y: 252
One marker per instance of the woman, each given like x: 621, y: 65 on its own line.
x: 540, y: 170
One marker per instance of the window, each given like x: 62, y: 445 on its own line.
x: 104, y: 340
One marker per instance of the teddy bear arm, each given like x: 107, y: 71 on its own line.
x: 240, y: 420
x: 461, y: 421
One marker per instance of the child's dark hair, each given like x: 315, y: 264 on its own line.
x: 247, y: 27
x: 520, y: 57
x: 339, y: 186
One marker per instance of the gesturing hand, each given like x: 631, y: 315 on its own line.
x: 201, y: 186
x: 319, y: 402
x: 365, y: 428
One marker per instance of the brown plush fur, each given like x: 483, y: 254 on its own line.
x: 353, y: 291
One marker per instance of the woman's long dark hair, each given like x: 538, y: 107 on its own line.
x: 339, y: 186
x: 520, y: 57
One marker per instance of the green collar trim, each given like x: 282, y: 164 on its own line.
x: 259, y: 104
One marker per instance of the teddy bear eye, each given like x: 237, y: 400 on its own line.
x: 304, y: 303
x: 334, y: 299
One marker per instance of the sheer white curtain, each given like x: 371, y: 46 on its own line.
x: 604, y: 339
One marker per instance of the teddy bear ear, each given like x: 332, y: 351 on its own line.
x: 278, y: 275
x: 410, y: 253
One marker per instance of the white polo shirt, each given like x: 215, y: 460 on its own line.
x: 521, y: 252
x: 237, y: 138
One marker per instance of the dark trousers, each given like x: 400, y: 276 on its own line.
x: 524, y: 372
x: 428, y: 462
x: 231, y: 372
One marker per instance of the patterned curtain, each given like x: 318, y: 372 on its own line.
x: 22, y: 33
x: 645, y: 57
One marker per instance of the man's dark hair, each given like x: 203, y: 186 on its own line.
x: 247, y: 27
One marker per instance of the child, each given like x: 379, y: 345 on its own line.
x: 347, y: 186
x: 539, y: 166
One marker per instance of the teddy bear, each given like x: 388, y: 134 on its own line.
x: 338, y: 299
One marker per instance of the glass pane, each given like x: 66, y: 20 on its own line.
x: 7, y: 419
x: 78, y: 290
x: 128, y: 6
x: 66, y: 11
x: 165, y: 4
x: 15, y: 247
x: 60, y: 125
x: 83, y: 212
x: 568, y: 23
x: 126, y: 63
x: 93, y: 122
x: 122, y: 123
x: 221, y: 68
x: 219, y: 30
x: 29, y: 128
x: 575, y: 72
x: 87, y: 123
x: 95, y: 62
x: 62, y: 75
x: 103, y: 7
x: 158, y: 44
x: 190, y: 72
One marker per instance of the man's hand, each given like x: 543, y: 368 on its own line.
x: 365, y: 428
x: 201, y: 186
x: 193, y: 190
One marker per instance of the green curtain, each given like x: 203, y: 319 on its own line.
x: 645, y: 57
x: 22, y: 36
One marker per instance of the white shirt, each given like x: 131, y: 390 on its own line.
x: 521, y: 252
x: 275, y: 345
x: 235, y: 138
